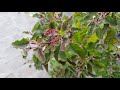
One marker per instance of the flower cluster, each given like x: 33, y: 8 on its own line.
x: 52, y: 35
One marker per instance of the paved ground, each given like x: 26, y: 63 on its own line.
x: 12, y: 24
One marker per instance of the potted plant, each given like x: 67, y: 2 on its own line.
x: 81, y: 46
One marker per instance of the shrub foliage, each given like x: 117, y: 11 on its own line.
x: 81, y: 46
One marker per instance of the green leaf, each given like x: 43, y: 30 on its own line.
x: 110, y: 38
x: 67, y: 73
x: 52, y: 25
x: 66, y: 23
x: 65, y: 17
x: 62, y: 56
x: 93, y: 38
x: 99, y: 64
x: 88, y: 17
x: 78, y: 24
x: 40, y: 55
x: 37, y: 26
x: 101, y: 32
x: 118, y: 24
x: 105, y: 28
x: 36, y: 15
x: 76, y: 49
x: 111, y: 20
x: 98, y: 33
x: 38, y: 34
x: 72, y: 69
x: 68, y: 55
x: 89, y: 68
x: 56, y: 52
x: 20, y: 43
x: 76, y: 14
x: 90, y: 46
x: 37, y: 63
x: 59, y: 22
x: 53, y: 62
x: 85, y: 29
x: 50, y: 16
x: 47, y: 55
x: 56, y: 67
x: 46, y: 26
x: 91, y: 30
x: 75, y: 29
x: 77, y: 37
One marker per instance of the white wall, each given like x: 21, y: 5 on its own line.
x: 68, y: 13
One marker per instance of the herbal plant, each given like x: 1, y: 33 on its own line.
x: 81, y: 46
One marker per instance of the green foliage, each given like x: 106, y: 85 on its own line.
x: 84, y: 45
x: 20, y: 43
x: 37, y: 26
x: 38, y: 64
